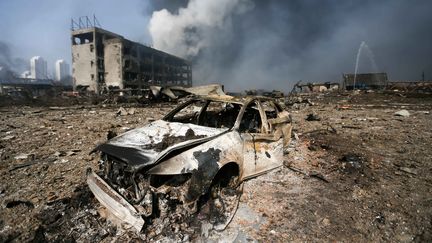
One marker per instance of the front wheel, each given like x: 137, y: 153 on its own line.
x: 220, y: 204
x: 227, y: 203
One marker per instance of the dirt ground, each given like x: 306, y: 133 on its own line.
x: 354, y: 172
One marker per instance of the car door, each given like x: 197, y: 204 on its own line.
x: 262, y: 148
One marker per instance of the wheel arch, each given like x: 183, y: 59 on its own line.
x: 227, y: 171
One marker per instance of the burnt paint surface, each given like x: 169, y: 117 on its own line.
x: 267, y: 154
x: 169, y: 141
x: 132, y: 156
x: 202, y: 177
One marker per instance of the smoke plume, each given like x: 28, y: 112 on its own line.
x: 10, y: 66
x: 251, y: 44
x: 195, y: 27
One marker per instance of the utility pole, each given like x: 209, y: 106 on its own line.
x: 423, y: 76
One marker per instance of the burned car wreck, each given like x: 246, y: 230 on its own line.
x: 192, y: 160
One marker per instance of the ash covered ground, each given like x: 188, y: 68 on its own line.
x: 355, y: 171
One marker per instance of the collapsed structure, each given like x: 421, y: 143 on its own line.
x: 315, y: 87
x: 104, y: 61
x: 365, y: 81
x: 24, y: 87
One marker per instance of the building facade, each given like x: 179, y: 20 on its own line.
x: 38, y: 68
x: 103, y: 61
x: 61, y: 70
x: 365, y: 81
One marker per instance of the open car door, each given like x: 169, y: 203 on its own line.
x: 263, y: 140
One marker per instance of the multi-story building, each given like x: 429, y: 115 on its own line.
x: 38, y: 68
x: 102, y: 61
x: 61, y: 70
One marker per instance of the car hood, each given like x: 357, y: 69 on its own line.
x: 147, y: 145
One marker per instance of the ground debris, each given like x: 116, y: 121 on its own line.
x: 23, y: 156
x: 313, y: 117
x: 408, y: 170
x: 74, y: 219
x: 352, y: 127
x: 353, y: 163
x: 15, y: 203
x: 313, y: 174
x: 123, y: 112
x: 8, y: 137
x: 391, y: 202
x: 403, y: 113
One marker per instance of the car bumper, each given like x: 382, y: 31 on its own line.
x: 114, y: 202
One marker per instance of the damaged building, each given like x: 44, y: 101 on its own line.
x: 21, y: 87
x: 103, y: 61
x: 316, y: 87
x: 365, y: 81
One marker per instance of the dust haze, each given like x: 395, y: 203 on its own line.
x: 10, y: 66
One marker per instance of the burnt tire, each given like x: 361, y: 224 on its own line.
x: 224, y: 195
x: 228, y: 200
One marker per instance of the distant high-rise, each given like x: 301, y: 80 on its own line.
x: 61, y: 70
x: 38, y: 68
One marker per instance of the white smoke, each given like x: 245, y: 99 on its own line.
x: 195, y: 27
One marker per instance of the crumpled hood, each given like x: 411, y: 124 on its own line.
x: 146, y: 145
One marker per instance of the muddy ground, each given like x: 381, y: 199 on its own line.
x: 354, y: 172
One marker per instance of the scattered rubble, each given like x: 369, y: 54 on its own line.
x: 123, y: 112
x: 22, y: 156
x: 378, y: 182
x: 8, y: 137
x: 403, y: 113
x: 353, y: 163
x: 313, y: 117
x: 16, y: 203
x: 408, y: 170
x: 297, y: 102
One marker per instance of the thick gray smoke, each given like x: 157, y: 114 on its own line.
x: 248, y: 44
x: 10, y: 66
x: 195, y: 27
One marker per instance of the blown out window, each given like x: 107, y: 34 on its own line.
x: 208, y: 113
x: 251, y: 120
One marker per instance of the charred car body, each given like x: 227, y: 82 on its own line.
x: 196, y: 151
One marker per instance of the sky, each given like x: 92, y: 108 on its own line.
x: 242, y: 44
x: 42, y: 28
